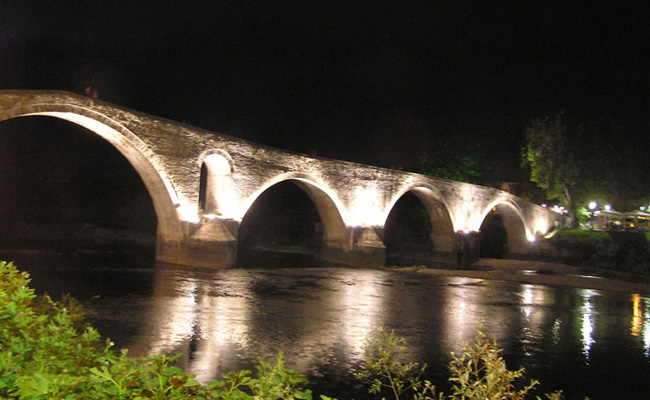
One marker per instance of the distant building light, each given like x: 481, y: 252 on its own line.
x: 593, y: 205
x: 608, y: 207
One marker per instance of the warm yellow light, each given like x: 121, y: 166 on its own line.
x: 186, y: 211
x: 364, y: 210
x: 243, y: 205
x: 637, y: 319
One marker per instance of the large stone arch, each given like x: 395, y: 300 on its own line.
x: 165, y: 202
x: 335, y: 234
x: 443, y: 236
x: 514, y: 223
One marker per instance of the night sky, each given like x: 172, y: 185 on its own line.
x: 377, y: 82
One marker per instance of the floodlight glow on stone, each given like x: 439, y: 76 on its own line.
x: 365, y: 208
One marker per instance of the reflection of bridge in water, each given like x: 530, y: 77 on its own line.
x: 202, y: 184
x: 320, y: 319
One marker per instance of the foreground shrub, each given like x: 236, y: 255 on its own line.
x: 478, y: 373
x: 47, y: 352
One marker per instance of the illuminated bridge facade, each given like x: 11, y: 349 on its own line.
x: 202, y: 184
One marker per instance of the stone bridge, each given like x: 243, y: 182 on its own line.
x: 202, y: 183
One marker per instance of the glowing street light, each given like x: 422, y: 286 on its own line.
x: 592, y: 207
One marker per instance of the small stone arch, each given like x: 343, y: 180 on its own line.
x: 514, y: 223
x: 140, y: 157
x: 334, y: 228
x: 443, y: 236
x: 215, y: 183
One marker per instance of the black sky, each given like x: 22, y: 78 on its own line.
x: 368, y: 81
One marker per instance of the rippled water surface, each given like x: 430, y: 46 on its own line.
x: 589, y: 343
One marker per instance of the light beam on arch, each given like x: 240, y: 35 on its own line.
x: 169, y: 208
x: 442, y: 227
x: 519, y: 234
x: 216, y: 195
x: 326, y: 203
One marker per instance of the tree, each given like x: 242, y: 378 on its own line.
x: 456, y: 159
x: 558, y: 161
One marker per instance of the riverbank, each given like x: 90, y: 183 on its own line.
x: 543, y: 273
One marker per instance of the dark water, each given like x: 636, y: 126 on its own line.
x: 587, y: 342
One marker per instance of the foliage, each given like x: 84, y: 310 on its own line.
x: 47, y: 351
x: 613, y: 251
x: 628, y: 252
x: 576, y: 162
x: 578, y: 245
x: 481, y: 373
x: 384, y: 369
x: 457, y: 159
x: 478, y: 373
x: 557, y: 164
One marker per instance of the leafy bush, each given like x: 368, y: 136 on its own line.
x: 384, y: 368
x: 580, y: 245
x: 478, y: 373
x: 614, y: 251
x: 47, y: 351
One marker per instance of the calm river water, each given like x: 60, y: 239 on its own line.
x: 587, y: 342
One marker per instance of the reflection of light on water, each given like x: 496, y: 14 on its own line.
x: 587, y: 327
x: 587, y: 330
x: 527, y: 300
x: 646, y: 327
x: 462, y: 313
x: 534, y: 326
x: 175, y: 323
x: 637, y: 318
x: 362, y: 301
x: 190, y: 317
x: 556, y: 331
x: 223, y: 320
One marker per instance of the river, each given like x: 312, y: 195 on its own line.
x: 587, y: 342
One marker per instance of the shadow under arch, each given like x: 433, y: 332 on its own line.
x: 131, y: 147
x: 334, y: 232
x: 442, y: 235
x: 514, y: 224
